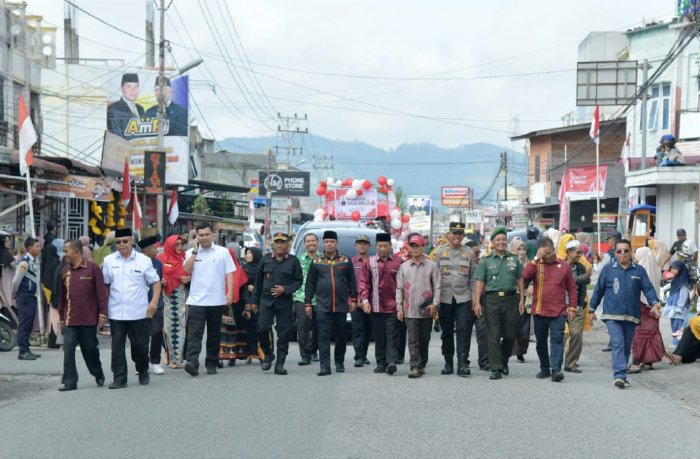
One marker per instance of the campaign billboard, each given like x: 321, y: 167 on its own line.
x: 419, y: 209
x: 285, y: 183
x: 132, y: 116
x: 77, y: 186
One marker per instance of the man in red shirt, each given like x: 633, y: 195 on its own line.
x: 82, y: 306
x: 378, y: 296
x: 553, y: 290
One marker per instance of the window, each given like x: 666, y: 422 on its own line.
x: 653, y: 107
x: 537, y: 168
x: 665, y: 105
x: 659, y: 101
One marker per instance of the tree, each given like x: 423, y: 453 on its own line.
x: 398, y: 191
x: 201, y: 206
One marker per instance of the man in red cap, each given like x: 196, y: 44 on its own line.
x: 417, y: 292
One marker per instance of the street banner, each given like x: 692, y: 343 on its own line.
x: 419, y: 208
x: 285, y: 183
x: 455, y: 196
x: 132, y: 119
x: 579, y: 183
x: 366, y: 204
x: 76, y: 186
x: 154, y: 172
x: 473, y: 216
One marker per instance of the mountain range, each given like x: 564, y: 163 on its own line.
x: 418, y: 168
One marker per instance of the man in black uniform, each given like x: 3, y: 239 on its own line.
x: 279, y: 276
x: 331, y: 279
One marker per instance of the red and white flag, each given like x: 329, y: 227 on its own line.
x: 137, y: 216
x: 625, y: 155
x: 173, y: 210
x: 126, y: 184
x: 595, y: 125
x: 27, y: 137
x: 251, y: 212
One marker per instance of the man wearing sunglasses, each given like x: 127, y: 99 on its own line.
x: 582, y: 277
x: 620, y: 285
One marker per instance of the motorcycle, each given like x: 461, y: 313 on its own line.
x: 8, y: 335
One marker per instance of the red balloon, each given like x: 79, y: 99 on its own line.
x: 366, y: 184
x: 330, y: 195
x: 347, y: 182
x: 320, y: 190
x: 359, y: 192
x: 383, y: 190
x: 406, y: 218
x: 355, y: 215
x: 382, y: 210
x: 381, y: 180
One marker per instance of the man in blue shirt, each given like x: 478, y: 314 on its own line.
x: 620, y: 284
x: 155, y: 324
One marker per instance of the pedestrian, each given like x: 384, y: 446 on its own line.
x: 128, y: 275
x: 361, y: 321
x: 688, y: 350
x: 660, y: 250
x: 608, y: 257
x: 457, y: 265
x: 519, y: 248
x: 87, y: 253
x: 82, y: 307
x: 211, y: 288
x: 307, y: 333
x: 50, y: 289
x: 175, y: 284
x: 253, y: 255
x: 554, y: 301
x: 620, y: 285
x: 7, y: 267
x: 499, y: 284
x: 279, y: 276
x: 417, y: 295
x: 234, y: 344
x: 678, y: 302
x: 647, y: 345
x: 149, y: 248
x: 378, y: 296
x: 582, y: 277
x: 25, y: 289
x: 331, y: 280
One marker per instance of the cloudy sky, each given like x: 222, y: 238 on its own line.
x: 385, y: 72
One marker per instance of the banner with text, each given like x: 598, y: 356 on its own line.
x: 76, y: 186
x: 285, y: 183
x: 366, y: 204
x: 419, y: 209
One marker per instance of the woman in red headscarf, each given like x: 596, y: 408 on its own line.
x: 175, y: 280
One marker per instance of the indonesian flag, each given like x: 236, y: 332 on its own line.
x: 27, y: 138
x: 595, y: 125
x: 251, y: 212
x: 173, y: 210
x: 625, y: 154
x: 136, y: 212
x: 126, y: 184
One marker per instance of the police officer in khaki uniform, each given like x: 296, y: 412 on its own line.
x: 457, y: 264
x: 499, y: 277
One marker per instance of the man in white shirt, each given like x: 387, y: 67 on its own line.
x: 127, y: 275
x: 211, y: 288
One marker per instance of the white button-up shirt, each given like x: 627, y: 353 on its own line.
x: 128, y: 280
x: 208, y: 284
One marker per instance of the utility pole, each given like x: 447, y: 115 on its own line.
x: 645, y: 121
x: 268, y: 201
x: 150, y: 35
x: 162, y: 208
x: 289, y: 127
x: 504, y: 169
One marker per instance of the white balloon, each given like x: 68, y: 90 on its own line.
x: 318, y: 213
x: 390, y: 182
x: 400, y: 245
x: 338, y: 182
x: 395, y: 214
x: 396, y: 224
x: 318, y: 218
x: 351, y: 194
x: 330, y: 181
x: 356, y: 184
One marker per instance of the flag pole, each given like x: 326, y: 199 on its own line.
x: 40, y: 290
x: 597, y: 187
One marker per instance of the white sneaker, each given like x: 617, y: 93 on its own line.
x: 620, y: 383
x: 156, y: 369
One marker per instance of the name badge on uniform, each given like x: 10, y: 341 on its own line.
x: 268, y: 275
x: 445, y: 270
x: 445, y: 255
x: 85, y: 277
x: 463, y: 269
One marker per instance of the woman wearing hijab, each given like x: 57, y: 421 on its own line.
x: 87, y: 253
x: 175, y: 280
x: 7, y: 268
x: 233, y: 344
x: 677, y: 304
x: 660, y: 250
x: 586, y: 241
x: 253, y: 255
x: 53, y: 256
x: 553, y: 234
x: 522, y: 333
x: 647, y: 345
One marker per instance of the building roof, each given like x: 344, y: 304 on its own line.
x: 563, y: 129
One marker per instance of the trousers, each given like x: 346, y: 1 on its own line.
x: 155, y: 331
x: 199, y: 317
x: 501, y: 315
x: 574, y: 342
x: 621, y: 334
x: 281, y: 315
x: 456, y: 319
x: 361, y: 332
x: 307, y: 331
x: 137, y: 332
x: 26, y: 313
x: 86, y: 338
x: 331, y: 324
x: 552, y: 328
x: 386, y: 338
x: 419, y: 340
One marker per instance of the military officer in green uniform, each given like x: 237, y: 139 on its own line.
x: 499, y: 278
x: 457, y: 264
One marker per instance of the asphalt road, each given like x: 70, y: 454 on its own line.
x: 243, y: 412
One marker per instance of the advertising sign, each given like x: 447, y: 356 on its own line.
x: 154, y: 172
x: 473, y: 216
x: 285, y: 183
x: 455, y: 196
x: 419, y: 209
x: 76, y: 186
x: 579, y: 182
x: 132, y: 116
x: 366, y: 204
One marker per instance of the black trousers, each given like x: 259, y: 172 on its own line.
x: 250, y: 326
x: 402, y: 340
x: 481, y: 342
x: 331, y: 324
x: 137, y: 332
x: 155, y: 330
x: 26, y: 312
x: 281, y: 315
x: 86, y: 338
x: 361, y: 332
x: 386, y: 338
x: 501, y: 314
x: 456, y: 318
x: 307, y: 333
x: 419, y: 340
x: 199, y: 317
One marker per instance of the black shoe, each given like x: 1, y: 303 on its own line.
x: 191, y: 369
x: 220, y: 364
x: 399, y: 362
x: 232, y: 363
x: 279, y: 370
x: 607, y: 349
x: 324, y: 372
x: 380, y: 369
x: 304, y: 361
x: 391, y: 369
x: 449, y: 367
x: 67, y: 387
x: 505, y: 370
x: 211, y: 371
x: 462, y: 366
x: 366, y: 361
x: 544, y: 374
x: 340, y: 368
x: 495, y: 374
x: 116, y: 385
x: 267, y: 363
x: 558, y: 376
x: 572, y: 370
x: 144, y: 378
x: 36, y: 356
x: 314, y: 357
x: 484, y: 368
x: 359, y: 363
x: 100, y: 381
x: 521, y: 359
x: 26, y: 356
